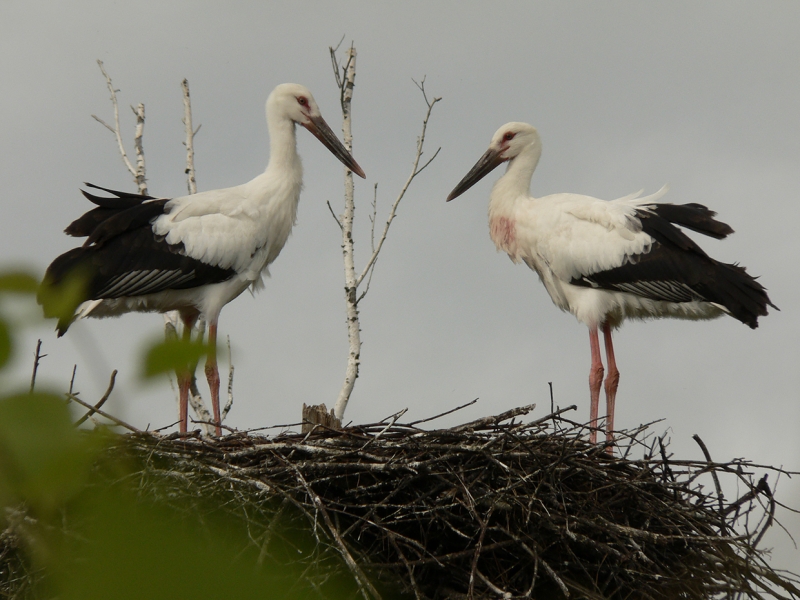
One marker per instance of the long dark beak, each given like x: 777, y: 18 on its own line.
x: 323, y: 133
x: 482, y: 168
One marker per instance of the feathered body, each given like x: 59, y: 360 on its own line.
x: 196, y: 253
x: 607, y: 261
x: 201, y: 250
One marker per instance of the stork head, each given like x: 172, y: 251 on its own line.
x: 294, y: 102
x: 508, y: 142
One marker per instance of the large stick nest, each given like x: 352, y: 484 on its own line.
x: 493, y: 508
x: 496, y: 508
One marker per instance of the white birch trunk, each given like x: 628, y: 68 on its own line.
x: 191, y: 181
x: 351, y: 286
x: 345, y: 222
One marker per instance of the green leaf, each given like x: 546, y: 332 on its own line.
x: 44, y: 459
x: 18, y: 282
x: 173, y: 355
x: 5, y: 343
x: 59, y: 300
x: 130, y: 549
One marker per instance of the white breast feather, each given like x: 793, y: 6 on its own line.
x: 576, y: 235
x: 243, y: 228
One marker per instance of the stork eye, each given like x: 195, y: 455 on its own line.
x: 509, y: 135
x: 302, y: 101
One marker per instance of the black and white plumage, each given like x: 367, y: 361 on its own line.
x: 609, y: 261
x: 194, y: 254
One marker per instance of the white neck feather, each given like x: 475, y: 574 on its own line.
x: 516, y: 182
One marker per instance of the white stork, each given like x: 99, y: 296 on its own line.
x: 194, y: 254
x: 608, y: 261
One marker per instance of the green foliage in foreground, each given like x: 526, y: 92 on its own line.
x: 75, y: 523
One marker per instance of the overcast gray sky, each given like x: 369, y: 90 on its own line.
x: 704, y: 96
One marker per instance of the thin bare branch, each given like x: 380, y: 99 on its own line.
x: 138, y: 172
x: 37, y: 356
x: 364, y: 583
x: 72, y: 380
x: 229, y: 403
x: 494, y: 420
x: 200, y: 409
x: 333, y: 214
x: 447, y: 412
x: 415, y: 170
x: 102, y: 401
x: 373, y: 220
x: 115, y: 420
x: 714, y: 476
x: 335, y: 63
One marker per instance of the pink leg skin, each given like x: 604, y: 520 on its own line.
x: 212, y: 374
x: 185, y: 377
x: 595, y: 379
x: 612, y: 381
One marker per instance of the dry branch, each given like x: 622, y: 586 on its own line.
x: 346, y: 85
x: 37, y: 356
x: 94, y: 409
x: 101, y: 402
x: 138, y: 171
x: 345, y: 81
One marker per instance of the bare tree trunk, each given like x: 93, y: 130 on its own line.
x: 191, y: 181
x: 351, y: 287
x: 172, y: 320
x: 346, y: 82
x: 139, y: 170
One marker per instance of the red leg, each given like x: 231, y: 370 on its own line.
x: 184, y: 377
x: 212, y: 373
x: 595, y: 379
x: 612, y: 381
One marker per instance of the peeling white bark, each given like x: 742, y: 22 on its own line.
x: 172, y: 321
x: 191, y: 180
x: 345, y: 222
x: 139, y: 170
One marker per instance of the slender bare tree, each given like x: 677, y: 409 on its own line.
x: 172, y: 323
x: 345, y: 74
x: 138, y: 171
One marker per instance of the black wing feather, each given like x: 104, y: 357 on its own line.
x: 133, y: 264
x: 122, y: 200
x: 129, y: 219
x: 106, y: 208
x: 122, y: 257
x: 695, y: 217
x: 676, y: 269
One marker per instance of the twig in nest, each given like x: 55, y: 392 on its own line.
x: 115, y: 420
x: 229, y: 403
x: 72, y: 380
x: 102, y: 401
x: 445, y: 413
x: 485, y: 421
x: 717, y: 486
x: 364, y: 583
